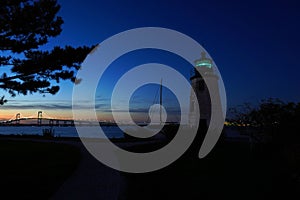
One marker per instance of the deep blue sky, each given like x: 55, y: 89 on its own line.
x: 255, y: 44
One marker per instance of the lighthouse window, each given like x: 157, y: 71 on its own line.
x: 208, y: 65
x: 201, y: 85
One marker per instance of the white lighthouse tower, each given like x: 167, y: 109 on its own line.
x: 202, y: 75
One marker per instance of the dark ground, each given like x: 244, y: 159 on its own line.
x: 230, y: 171
x: 34, y: 170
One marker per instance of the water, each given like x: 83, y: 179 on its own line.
x: 69, y: 131
x: 110, y: 131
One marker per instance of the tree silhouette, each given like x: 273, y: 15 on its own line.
x: 26, y: 25
x: 272, y: 117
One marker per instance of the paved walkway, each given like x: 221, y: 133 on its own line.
x: 91, y: 180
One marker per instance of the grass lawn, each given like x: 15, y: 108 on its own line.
x: 34, y: 170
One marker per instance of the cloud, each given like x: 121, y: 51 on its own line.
x: 45, y: 106
x: 53, y: 105
x: 37, y: 104
x: 102, y: 104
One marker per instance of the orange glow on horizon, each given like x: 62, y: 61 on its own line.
x: 11, y: 113
x: 53, y: 113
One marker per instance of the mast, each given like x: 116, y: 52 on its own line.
x: 160, y: 101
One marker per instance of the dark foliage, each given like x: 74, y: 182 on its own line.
x: 273, y: 117
x: 25, y: 25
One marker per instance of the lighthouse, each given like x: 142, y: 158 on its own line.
x: 203, y: 75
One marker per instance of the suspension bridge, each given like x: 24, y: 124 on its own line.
x: 41, y: 119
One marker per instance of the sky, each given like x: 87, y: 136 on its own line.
x: 255, y: 45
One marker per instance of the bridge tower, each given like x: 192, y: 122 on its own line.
x: 18, y: 118
x: 39, y: 118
